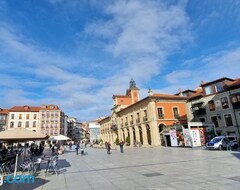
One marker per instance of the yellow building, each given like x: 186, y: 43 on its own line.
x: 143, y: 121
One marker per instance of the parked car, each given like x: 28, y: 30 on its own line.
x: 234, y: 142
x: 221, y: 142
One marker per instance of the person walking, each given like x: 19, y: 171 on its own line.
x: 121, y: 146
x: 77, y: 148
x: 70, y: 145
x: 108, y: 148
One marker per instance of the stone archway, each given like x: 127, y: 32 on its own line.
x: 161, y: 128
x: 140, y: 134
x: 149, y: 140
x: 134, y: 135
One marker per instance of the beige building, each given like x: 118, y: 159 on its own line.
x: 24, y: 116
x: 51, y: 120
x: 143, y: 121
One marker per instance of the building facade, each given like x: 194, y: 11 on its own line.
x: 217, y: 102
x: 143, y: 121
x: 51, y: 120
x: 3, y: 119
x: 24, y: 116
x: 94, y: 129
x: 74, y: 129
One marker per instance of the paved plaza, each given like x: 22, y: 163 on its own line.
x: 141, y: 168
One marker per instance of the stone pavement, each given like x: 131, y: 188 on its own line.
x: 141, y: 168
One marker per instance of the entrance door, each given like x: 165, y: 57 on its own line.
x: 167, y: 140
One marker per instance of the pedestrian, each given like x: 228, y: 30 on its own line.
x: 121, y: 146
x: 108, y: 148
x: 106, y: 144
x: 70, y: 145
x: 53, y: 150
x: 77, y: 148
x: 229, y: 146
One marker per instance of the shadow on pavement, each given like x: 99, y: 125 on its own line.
x: 236, y: 154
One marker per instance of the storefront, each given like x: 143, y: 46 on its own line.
x: 195, y: 134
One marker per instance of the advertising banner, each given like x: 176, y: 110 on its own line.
x: 187, y: 137
x: 196, y: 137
x: 173, y: 137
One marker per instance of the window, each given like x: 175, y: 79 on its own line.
x: 27, y: 124
x: 219, y: 87
x: 224, y: 102
x: 34, y: 124
x: 215, y: 121
x: 208, y: 90
x: 19, y: 124
x: 12, y: 124
x: 228, y: 120
x: 12, y: 116
x: 211, y: 105
x: 27, y: 116
x: 202, y: 119
x: 35, y: 116
x: 160, y: 113
x: 20, y: 116
x: 175, y: 113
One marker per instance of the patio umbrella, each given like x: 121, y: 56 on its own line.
x: 20, y: 135
x: 58, y: 138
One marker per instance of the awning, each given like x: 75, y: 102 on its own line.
x: 21, y: 135
x: 58, y: 138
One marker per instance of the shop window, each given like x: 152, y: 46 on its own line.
x: 211, y: 105
x: 224, y: 102
x: 228, y: 120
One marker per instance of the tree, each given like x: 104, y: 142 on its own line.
x: 117, y: 141
x: 128, y: 140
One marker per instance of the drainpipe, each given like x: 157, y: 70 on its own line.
x: 234, y: 113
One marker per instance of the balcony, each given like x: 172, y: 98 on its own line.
x: 200, y: 111
x: 131, y: 122
x: 176, y: 116
x: 114, y: 127
x: 145, y: 118
x: 161, y: 116
x: 138, y: 120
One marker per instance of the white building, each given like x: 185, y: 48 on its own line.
x: 94, y: 128
x: 24, y: 116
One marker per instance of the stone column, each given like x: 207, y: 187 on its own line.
x: 155, y: 137
x: 137, y: 133
x: 131, y: 136
x: 144, y: 134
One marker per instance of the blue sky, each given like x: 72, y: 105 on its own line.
x: 78, y: 53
